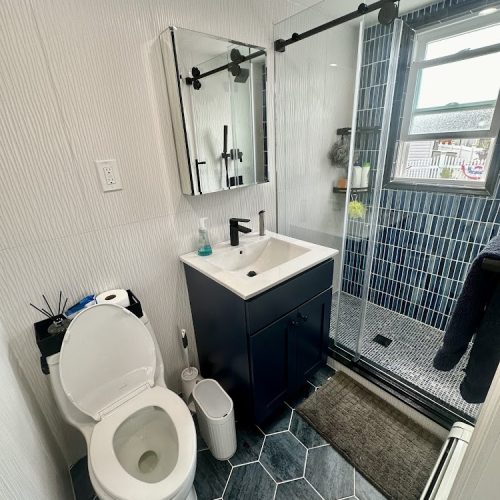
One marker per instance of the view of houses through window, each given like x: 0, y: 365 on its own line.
x: 455, y: 159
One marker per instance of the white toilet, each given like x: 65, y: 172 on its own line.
x: 108, y: 382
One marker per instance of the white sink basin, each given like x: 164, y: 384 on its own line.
x: 258, y: 262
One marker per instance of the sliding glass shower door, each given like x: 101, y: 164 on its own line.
x: 396, y: 282
x: 316, y: 84
x: 402, y: 271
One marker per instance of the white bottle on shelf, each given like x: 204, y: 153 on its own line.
x: 365, y: 174
x: 356, y: 175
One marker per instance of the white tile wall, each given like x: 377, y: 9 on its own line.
x: 83, y: 80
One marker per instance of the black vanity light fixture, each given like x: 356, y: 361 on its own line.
x: 388, y: 12
x: 234, y: 67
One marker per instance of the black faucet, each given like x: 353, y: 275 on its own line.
x: 235, y: 229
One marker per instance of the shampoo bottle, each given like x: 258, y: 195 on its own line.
x: 356, y: 175
x: 365, y: 174
x: 204, y: 247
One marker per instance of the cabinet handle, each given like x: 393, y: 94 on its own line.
x: 301, y: 319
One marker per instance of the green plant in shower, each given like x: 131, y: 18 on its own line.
x: 446, y: 173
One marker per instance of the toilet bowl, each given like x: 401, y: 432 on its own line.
x: 141, y: 439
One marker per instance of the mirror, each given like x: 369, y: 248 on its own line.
x: 217, y: 93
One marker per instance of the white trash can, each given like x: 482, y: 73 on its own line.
x: 215, y: 412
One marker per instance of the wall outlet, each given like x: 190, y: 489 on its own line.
x: 108, y: 173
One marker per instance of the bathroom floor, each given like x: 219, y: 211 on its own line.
x: 409, y: 355
x: 285, y: 458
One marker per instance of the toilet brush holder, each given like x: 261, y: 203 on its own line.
x: 189, y: 378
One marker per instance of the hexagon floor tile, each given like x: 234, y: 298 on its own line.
x: 249, y: 441
x: 283, y: 456
x: 299, y: 489
x: 211, y: 476
x: 330, y: 474
x: 305, y: 433
x: 273, y: 466
x: 277, y: 422
x: 250, y: 482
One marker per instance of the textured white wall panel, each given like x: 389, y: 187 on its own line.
x: 83, y: 80
x: 31, y: 464
x: 37, y: 173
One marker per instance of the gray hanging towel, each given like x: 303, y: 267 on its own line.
x: 469, y: 310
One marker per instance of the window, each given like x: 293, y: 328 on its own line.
x: 451, y: 114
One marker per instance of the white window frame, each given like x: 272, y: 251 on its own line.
x: 394, y: 176
x: 419, y: 63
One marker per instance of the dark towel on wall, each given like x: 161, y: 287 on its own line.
x: 468, y: 318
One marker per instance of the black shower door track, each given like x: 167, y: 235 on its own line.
x: 281, y: 44
x: 443, y: 414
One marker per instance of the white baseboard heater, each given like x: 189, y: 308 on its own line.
x: 445, y: 471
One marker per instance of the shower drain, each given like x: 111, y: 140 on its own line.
x: 148, y: 461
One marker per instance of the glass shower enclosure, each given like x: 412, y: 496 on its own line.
x: 401, y: 265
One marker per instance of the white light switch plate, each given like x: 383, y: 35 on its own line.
x: 108, y: 173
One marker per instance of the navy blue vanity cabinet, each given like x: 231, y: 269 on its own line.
x: 285, y: 353
x: 263, y: 349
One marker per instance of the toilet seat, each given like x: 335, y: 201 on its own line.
x: 107, y: 357
x: 110, y: 474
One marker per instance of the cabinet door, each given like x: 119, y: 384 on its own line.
x: 269, y: 351
x: 310, y: 336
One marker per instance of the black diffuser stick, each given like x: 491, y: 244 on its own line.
x: 64, y: 306
x: 48, y: 305
x: 59, y: 305
x: 40, y: 310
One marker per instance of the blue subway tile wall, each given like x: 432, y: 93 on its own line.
x: 425, y: 241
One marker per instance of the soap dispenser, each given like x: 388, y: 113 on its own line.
x: 204, y: 247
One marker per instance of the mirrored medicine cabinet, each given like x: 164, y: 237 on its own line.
x: 217, y: 94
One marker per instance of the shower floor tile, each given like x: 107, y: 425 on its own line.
x: 409, y: 355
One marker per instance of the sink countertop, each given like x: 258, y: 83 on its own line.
x: 229, y: 265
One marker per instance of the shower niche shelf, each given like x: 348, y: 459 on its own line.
x: 360, y: 130
x: 353, y: 190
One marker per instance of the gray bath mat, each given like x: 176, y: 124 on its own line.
x: 393, y: 451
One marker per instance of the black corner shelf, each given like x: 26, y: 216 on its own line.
x: 360, y: 130
x: 353, y: 190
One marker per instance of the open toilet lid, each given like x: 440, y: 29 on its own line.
x: 106, y: 356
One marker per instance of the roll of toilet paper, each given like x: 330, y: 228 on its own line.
x: 119, y: 297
